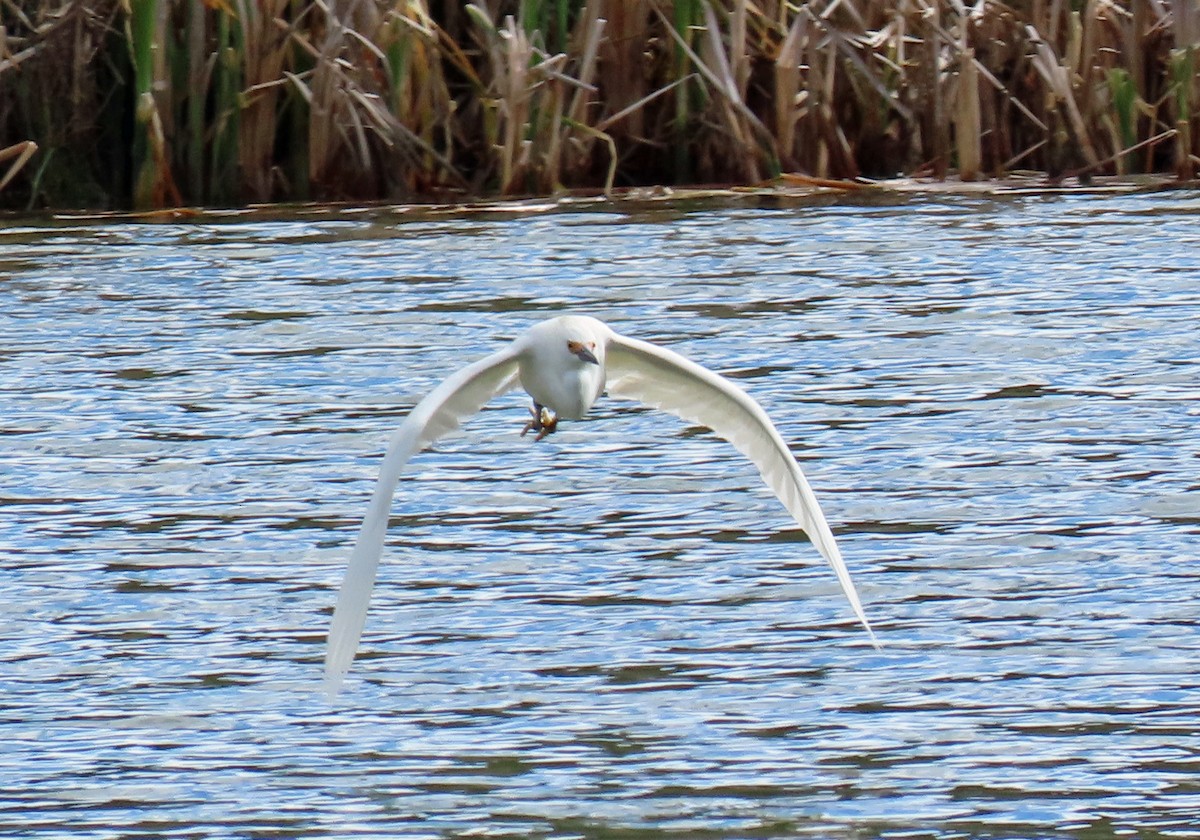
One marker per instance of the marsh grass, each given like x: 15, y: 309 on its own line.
x: 154, y: 103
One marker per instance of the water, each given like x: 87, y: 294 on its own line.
x: 615, y: 632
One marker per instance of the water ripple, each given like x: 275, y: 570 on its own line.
x: 614, y: 633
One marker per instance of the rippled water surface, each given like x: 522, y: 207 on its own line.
x: 615, y: 632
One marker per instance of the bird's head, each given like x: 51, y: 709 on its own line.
x: 584, y: 350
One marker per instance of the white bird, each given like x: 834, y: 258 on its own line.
x: 564, y: 364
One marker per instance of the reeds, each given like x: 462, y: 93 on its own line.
x: 19, y: 154
x: 161, y: 102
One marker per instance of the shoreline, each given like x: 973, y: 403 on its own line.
x: 787, y: 190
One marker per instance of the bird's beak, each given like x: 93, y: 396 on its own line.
x: 584, y: 352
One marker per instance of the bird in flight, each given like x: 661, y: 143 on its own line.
x: 564, y: 364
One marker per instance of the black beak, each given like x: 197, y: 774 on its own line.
x: 587, y: 355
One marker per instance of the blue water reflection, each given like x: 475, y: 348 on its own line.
x: 616, y: 629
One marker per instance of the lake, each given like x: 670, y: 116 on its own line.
x: 616, y: 632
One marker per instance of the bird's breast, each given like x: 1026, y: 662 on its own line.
x: 568, y: 390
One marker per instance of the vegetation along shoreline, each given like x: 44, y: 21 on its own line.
x: 117, y: 104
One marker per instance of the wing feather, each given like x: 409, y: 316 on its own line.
x: 443, y: 410
x: 661, y: 378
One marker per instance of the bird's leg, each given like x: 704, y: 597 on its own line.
x: 536, y: 423
x: 543, y: 422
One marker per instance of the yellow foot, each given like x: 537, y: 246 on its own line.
x: 549, y: 425
x: 543, y: 422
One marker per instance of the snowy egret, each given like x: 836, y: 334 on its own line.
x: 564, y: 364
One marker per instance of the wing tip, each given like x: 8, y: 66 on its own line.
x: 337, y: 666
x: 332, y: 684
x: 339, y: 656
x: 875, y: 643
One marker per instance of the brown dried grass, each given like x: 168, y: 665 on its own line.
x: 234, y: 100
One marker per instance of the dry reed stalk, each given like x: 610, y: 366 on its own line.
x: 357, y: 144
x: 813, y: 138
x: 1149, y: 142
x: 22, y: 151
x: 325, y: 95
x: 1185, y: 23
x: 989, y: 34
x: 550, y: 118
x: 621, y: 54
x: 827, y: 183
x: 612, y: 119
x: 510, y: 54
x: 739, y: 59
x: 1058, y: 84
x: 197, y: 89
x: 719, y: 65
x: 394, y: 100
x: 527, y: 124
x: 1131, y: 50
x: 421, y: 99
x: 753, y: 141
x: 263, y: 51
x: 787, y: 93
x: 1089, y: 73
x: 838, y: 141
x: 589, y: 35
x: 967, y: 122
x: 936, y: 129
x: 1183, y: 71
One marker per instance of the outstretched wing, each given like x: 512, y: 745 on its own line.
x: 662, y: 378
x: 442, y: 411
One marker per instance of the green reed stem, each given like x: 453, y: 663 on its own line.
x: 1124, y: 97
x: 141, y: 45
x: 222, y: 187
x: 686, y: 15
